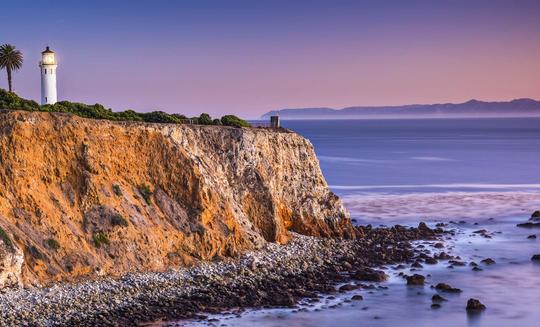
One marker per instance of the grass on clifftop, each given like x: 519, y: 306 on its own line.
x: 10, y: 100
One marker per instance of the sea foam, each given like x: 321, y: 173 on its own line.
x: 441, y: 206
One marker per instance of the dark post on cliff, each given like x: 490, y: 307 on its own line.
x: 274, y: 122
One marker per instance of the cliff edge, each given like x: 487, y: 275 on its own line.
x: 87, y: 198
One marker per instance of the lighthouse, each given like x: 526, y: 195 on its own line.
x: 48, y: 77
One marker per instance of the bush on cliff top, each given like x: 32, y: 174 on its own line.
x: 232, y: 120
x: 10, y: 100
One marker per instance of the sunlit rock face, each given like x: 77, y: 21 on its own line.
x: 83, y: 198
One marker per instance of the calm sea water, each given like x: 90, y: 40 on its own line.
x: 426, y: 154
x: 403, y: 171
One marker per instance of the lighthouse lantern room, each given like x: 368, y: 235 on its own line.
x: 48, y: 66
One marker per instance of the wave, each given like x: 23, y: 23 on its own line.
x: 361, y: 160
x: 432, y: 159
x: 441, y: 206
x: 479, y: 186
x: 349, y: 160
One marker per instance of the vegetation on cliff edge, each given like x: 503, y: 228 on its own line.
x: 10, y: 100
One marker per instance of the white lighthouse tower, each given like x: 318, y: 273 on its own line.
x: 48, y: 77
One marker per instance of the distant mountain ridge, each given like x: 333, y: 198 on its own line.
x: 471, y: 108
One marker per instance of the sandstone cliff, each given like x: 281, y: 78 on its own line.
x: 84, y: 198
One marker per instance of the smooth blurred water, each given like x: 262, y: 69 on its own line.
x: 426, y: 154
x: 403, y: 171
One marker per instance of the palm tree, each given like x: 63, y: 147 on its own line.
x: 11, y: 59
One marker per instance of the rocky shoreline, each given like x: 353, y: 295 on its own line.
x: 277, y: 275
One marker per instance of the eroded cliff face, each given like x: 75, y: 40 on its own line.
x: 84, y: 198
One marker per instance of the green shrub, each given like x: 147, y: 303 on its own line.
x: 100, y: 239
x: 119, y: 220
x: 179, y: 117
x: 10, y: 100
x: 53, y: 244
x: 7, y: 241
x: 146, y: 193
x: 232, y: 120
x: 204, y: 119
x: 117, y: 190
x: 128, y: 115
x: 160, y: 117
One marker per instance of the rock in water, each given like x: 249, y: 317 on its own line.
x: 423, y: 227
x: 416, y: 279
x: 536, y: 257
x: 370, y: 275
x: 536, y: 215
x: 431, y: 261
x: 531, y: 237
x: 348, y: 287
x: 529, y: 225
x: 447, y: 288
x: 475, y: 305
x: 437, y: 298
x: 488, y: 261
x: 417, y: 264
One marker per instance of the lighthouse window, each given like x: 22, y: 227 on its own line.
x: 45, y: 72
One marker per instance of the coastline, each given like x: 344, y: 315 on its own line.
x: 275, y: 276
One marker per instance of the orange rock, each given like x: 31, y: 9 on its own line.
x: 95, y: 197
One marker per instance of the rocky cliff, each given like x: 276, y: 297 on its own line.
x: 86, y: 198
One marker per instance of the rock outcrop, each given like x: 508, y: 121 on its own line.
x: 83, y: 198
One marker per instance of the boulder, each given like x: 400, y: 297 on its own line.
x: 529, y: 225
x: 347, y: 287
x: 475, y: 305
x: 416, y: 279
x: 447, y: 288
x: 370, y: 275
x: 357, y: 297
x: 437, y: 298
x: 431, y: 261
x: 417, y: 264
x: 488, y: 261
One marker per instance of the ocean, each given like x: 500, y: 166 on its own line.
x: 471, y: 173
x: 436, y: 168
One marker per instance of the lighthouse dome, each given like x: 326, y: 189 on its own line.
x: 48, y: 57
x: 47, y: 50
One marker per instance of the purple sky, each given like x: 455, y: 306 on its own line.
x: 249, y: 57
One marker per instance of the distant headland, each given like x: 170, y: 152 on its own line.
x: 472, y: 108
